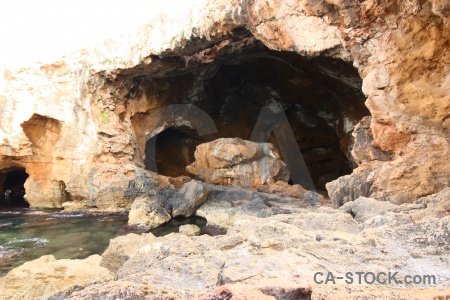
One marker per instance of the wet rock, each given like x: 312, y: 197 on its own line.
x: 47, y: 277
x: 190, y: 197
x: 149, y: 212
x: 190, y: 230
x: 240, y: 162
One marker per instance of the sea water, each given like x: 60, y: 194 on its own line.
x: 27, y: 234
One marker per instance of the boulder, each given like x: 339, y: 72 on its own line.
x: 190, y: 230
x: 190, y: 197
x: 149, y: 212
x: 230, y: 161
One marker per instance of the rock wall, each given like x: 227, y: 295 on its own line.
x: 79, y: 127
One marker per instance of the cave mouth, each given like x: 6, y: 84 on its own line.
x: 12, y: 188
x: 171, y: 151
x: 321, y: 96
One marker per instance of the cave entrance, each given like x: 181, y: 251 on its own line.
x: 321, y: 96
x: 171, y: 151
x: 12, y: 189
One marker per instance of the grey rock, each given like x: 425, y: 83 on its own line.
x: 349, y: 187
x: 188, y: 199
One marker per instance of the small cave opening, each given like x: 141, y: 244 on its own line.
x: 171, y: 151
x: 12, y: 190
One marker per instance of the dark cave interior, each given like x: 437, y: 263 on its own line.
x: 12, y: 190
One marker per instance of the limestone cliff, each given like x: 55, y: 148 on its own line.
x: 82, y: 127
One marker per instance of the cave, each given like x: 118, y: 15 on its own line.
x: 320, y: 96
x: 169, y: 152
x: 12, y: 188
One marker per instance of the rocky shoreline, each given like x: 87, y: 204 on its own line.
x: 272, y: 257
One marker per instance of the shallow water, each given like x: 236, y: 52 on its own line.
x: 27, y: 234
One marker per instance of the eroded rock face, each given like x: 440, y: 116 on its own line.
x: 238, y: 162
x: 79, y: 127
x: 363, y: 149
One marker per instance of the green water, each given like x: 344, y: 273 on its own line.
x: 25, y: 236
x: 28, y: 234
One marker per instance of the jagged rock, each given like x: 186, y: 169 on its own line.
x: 148, y: 211
x: 47, y: 277
x: 350, y: 187
x: 236, y: 161
x: 326, y: 219
x: 172, y: 259
x: 363, y: 150
x: 121, y: 248
x: 188, y: 199
x: 190, y: 230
